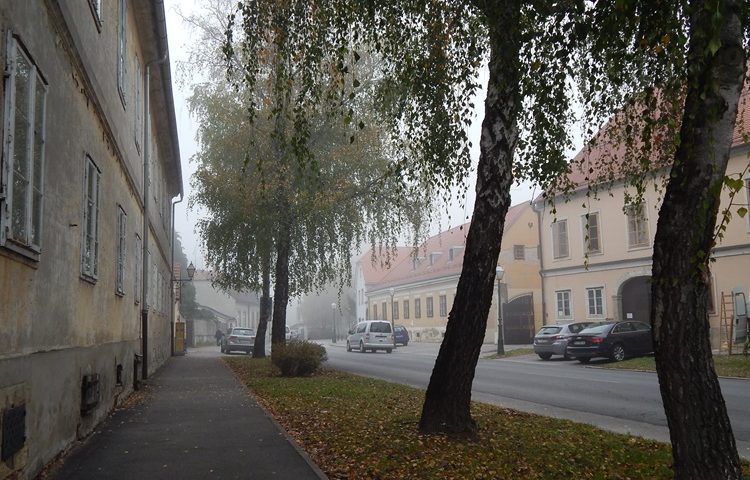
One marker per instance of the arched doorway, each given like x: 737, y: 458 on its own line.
x: 635, y: 299
x: 518, y: 321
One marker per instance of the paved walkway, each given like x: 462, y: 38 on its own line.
x: 197, y: 423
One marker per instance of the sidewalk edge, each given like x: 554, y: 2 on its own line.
x: 300, y: 451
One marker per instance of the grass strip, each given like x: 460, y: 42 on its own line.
x: 726, y: 365
x: 356, y: 427
x: 512, y: 353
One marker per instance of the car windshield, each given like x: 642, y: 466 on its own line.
x: 577, y: 327
x: 597, y: 329
x: 245, y: 332
x: 380, y: 327
x: 549, y: 330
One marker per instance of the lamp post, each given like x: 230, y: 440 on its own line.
x: 393, y: 324
x: 499, y: 273
x: 333, y: 313
x: 179, y: 282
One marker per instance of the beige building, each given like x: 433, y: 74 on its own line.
x: 72, y: 203
x: 417, y: 291
x: 615, y: 284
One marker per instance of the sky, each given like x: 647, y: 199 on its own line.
x: 179, y: 35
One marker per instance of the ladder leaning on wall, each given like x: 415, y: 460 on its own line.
x: 727, y: 322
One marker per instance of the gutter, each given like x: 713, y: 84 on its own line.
x: 173, y: 296
x: 539, y: 212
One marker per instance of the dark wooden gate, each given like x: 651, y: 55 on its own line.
x: 518, y: 320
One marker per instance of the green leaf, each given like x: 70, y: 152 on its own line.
x: 742, y: 211
x: 713, y: 46
x: 355, y: 83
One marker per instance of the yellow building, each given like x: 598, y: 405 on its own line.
x: 616, y: 283
x: 418, y: 289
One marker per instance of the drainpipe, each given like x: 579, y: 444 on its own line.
x: 171, y: 310
x: 539, y: 212
x: 146, y: 231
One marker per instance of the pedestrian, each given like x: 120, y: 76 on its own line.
x: 219, y: 335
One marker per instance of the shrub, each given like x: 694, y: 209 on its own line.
x: 298, y: 358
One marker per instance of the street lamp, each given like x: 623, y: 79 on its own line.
x: 333, y: 312
x: 178, y: 330
x: 393, y: 325
x: 499, y: 273
x: 180, y: 281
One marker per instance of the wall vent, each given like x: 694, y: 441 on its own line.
x: 13, y: 431
x: 89, y: 392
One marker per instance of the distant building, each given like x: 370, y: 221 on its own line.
x: 418, y: 289
x: 618, y: 246
x: 71, y: 216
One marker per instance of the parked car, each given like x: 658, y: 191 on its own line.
x: 242, y: 339
x: 401, y: 334
x: 615, y: 340
x: 553, y: 339
x: 371, y: 335
x: 288, y: 334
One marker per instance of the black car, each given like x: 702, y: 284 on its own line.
x: 615, y: 340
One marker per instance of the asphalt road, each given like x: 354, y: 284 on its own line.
x: 616, y: 400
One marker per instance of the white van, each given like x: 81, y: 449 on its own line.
x: 371, y: 335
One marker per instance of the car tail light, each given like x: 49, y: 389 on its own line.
x: 596, y: 339
x: 232, y: 337
x: 367, y: 336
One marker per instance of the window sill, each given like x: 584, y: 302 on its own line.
x: 637, y: 248
x: 119, y: 293
x: 21, y: 253
x: 89, y: 279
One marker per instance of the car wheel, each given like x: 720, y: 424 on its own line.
x: 362, y: 347
x: 545, y: 356
x: 566, y: 356
x: 388, y: 350
x: 584, y: 359
x: 618, y: 353
x: 406, y: 343
x: 348, y: 346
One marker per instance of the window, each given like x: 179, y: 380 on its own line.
x: 96, y: 11
x: 417, y: 308
x: 121, y: 249
x: 385, y: 311
x: 374, y: 311
x: 137, y: 107
x: 406, y: 309
x: 519, y: 252
x: 595, y: 299
x: 367, y: 313
x: 137, y: 269
x: 443, y: 306
x: 23, y: 169
x: 563, y: 304
x: 395, y: 310
x: 90, y: 255
x: 121, y: 51
x: 591, y: 233
x: 637, y: 226
x: 560, y: 239
x: 430, y: 312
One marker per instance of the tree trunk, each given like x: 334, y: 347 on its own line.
x: 259, y: 350
x: 703, y: 446
x: 281, y: 286
x: 447, y: 401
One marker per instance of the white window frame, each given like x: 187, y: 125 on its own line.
x: 429, y: 307
x: 417, y: 308
x: 589, y: 312
x: 28, y: 241
x: 137, y: 277
x: 96, y: 11
x: 557, y: 254
x: 137, y: 106
x: 443, y: 305
x: 122, y: 248
x: 90, y: 230
x: 629, y: 211
x: 586, y: 233
x: 122, y: 48
x: 561, y: 314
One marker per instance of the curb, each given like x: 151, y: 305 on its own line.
x: 300, y: 451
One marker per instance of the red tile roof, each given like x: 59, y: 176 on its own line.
x: 438, y: 247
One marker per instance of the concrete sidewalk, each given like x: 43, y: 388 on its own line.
x: 198, y: 422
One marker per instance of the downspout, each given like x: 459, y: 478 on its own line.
x: 174, y: 299
x: 539, y: 211
x: 146, y: 181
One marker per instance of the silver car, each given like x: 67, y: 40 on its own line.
x: 553, y: 339
x: 371, y: 335
x: 242, y: 339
